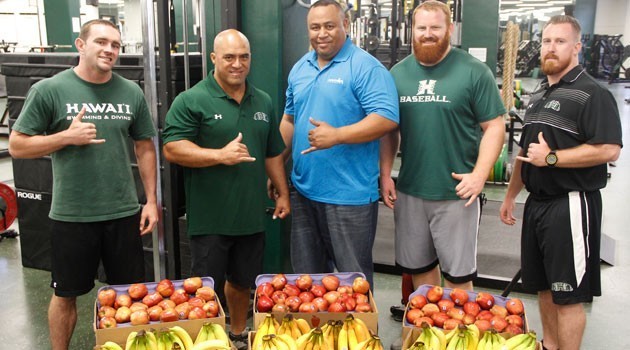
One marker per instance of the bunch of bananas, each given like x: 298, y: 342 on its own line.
x: 110, y: 345
x: 491, y: 340
x: 372, y: 343
x: 353, y: 332
x: 294, y: 327
x: 268, y: 326
x: 432, y: 337
x: 141, y: 340
x: 463, y: 338
x: 211, y: 337
x: 278, y: 342
x: 313, y: 340
x: 525, y: 341
x: 331, y: 331
x: 418, y: 346
x: 172, y: 338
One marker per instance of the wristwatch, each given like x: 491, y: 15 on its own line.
x: 551, y: 159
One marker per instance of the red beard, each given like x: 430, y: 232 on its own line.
x: 431, y: 54
x: 553, y: 67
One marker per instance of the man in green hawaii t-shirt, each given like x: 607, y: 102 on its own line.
x: 83, y: 117
x: 451, y: 133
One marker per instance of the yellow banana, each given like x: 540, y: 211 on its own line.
x: 361, y: 329
x: 184, y: 336
x: 263, y: 329
x: 213, y: 344
x: 302, y: 325
x: 482, y: 342
x: 151, y: 340
x: 276, y: 343
x: 516, y: 341
x: 219, y: 333
x: 342, y: 340
x: 287, y: 339
x: 204, y: 334
x: 352, y: 338
x: 490, y: 342
x: 440, y: 335
x: 302, y: 340
x: 130, y: 340
x: 110, y: 345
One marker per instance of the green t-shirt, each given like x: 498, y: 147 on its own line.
x: 222, y: 199
x: 440, y: 111
x: 91, y: 182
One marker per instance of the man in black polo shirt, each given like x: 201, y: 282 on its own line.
x: 571, y: 130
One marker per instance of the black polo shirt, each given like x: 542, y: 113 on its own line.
x: 574, y: 111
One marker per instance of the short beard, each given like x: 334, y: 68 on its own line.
x: 550, y: 67
x: 431, y: 55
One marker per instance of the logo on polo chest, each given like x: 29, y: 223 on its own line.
x: 261, y: 116
x: 553, y: 104
x: 426, y: 93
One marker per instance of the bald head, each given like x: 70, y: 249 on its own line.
x: 231, y: 59
x: 230, y: 37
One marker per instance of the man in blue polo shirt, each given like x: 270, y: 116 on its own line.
x: 340, y: 100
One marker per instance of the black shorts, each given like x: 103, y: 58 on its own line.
x: 237, y: 259
x: 78, y: 247
x: 560, y: 246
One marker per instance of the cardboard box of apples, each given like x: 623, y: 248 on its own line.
x: 446, y: 308
x: 316, y: 298
x: 188, y: 303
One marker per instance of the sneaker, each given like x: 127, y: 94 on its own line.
x: 396, y: 345
x: 239, y: 340
x: 398, y: 311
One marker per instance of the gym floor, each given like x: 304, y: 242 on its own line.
x: 26, y: 291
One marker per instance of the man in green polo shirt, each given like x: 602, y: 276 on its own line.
x: 225, y: 134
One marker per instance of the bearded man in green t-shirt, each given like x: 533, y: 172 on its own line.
x: 83, y: 117
x: 451, y: 133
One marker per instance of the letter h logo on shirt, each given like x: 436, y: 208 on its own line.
x: 426, y: 87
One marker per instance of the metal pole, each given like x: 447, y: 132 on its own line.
x: 150, y: 94
x: 202, y: 38
x: 185, y: 35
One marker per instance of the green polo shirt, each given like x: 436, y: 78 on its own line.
x: 222, y: 199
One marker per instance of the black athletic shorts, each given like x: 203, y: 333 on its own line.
x: 78, y: 247
x: 237, y: 259
x: 560, y: 246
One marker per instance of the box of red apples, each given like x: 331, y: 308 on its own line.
x: 315, y: 297
x: 122, y: 309
x: 446, y: 308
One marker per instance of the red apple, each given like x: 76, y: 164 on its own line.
x: 106, y: 297
x: 211, y: 307
x: 451, y: 324
x: 264, y: 303
x: 137, y: 291
x: 484, y: 315
x: 165, y: 287
x: 361, y: 285
x: 279, y: 281
x: 348, y: 302
x: 337, y: 306
x: 179, y: 296
x: 499, y: 323
x: 106, y: 311
x: 279, y: 297
x: 318, y: 290
x: 435, y: 293
x: 182, y: 310
x: 439, y: 318
x: 363, y: 307
x: 424, y: 319
x: 321, y: 304
x: 191, y: 284
x: 304, y: 282
x: 418, y: 301
x: 345, y: 289
x: 485, y: 300
x: 306, y: 297
x: 332, y: 296
x: 515, y: 306
x: 456, y: 313
x: 280, y: 308
x: 123, y: 314
x: 515, y: 320
x: 167, y: 304
x: 430, y: 309
x: 471, y: 307
x: 293, y: 302
x: 139, y: 317
x: 107, y: 322
x: 499, y: 310
x: 308, y: 307
x: 330, y: 282
x: 483, y: 325
x: 291, y: 290
x: 265, y: 288
x: 154, y: 313
x: 152, y: 299
x: 196, y: 313
x: 122, y: 300
x: 169, y: 315
x: 469, y: 319
x: 138, y: 306
x: 513, y: 329
x: 196, y: 302
x: 413, y: 314
x: 459, y: 296
x: 206, y: 293
x: 445, y: 305
x: 360, y: 298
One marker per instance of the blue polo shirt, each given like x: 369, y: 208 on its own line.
x: 353, y: 85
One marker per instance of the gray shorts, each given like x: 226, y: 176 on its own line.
x: 429, y: 233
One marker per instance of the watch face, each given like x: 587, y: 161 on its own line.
x: 551, y: 159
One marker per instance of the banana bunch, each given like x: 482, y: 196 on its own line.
x: 278, y: 342
x: 331, y: 331
x: 110, y: 345
x: 432, y: 337
x: 172, y: 338
x: 313, y: 340
x: 353, y: 332
x: 525, y: 341
x: 212, y: 336
x: 295, y: 327
x: 372, y: 343
x: 141, y: 340
x: 418, y: 346
x: 268, y: 326
x: 463, y: 338
x: 491, y: 340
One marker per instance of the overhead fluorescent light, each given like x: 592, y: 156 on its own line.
x: 532, y: 5
x: 561, y: 2
x: 511, y: 2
